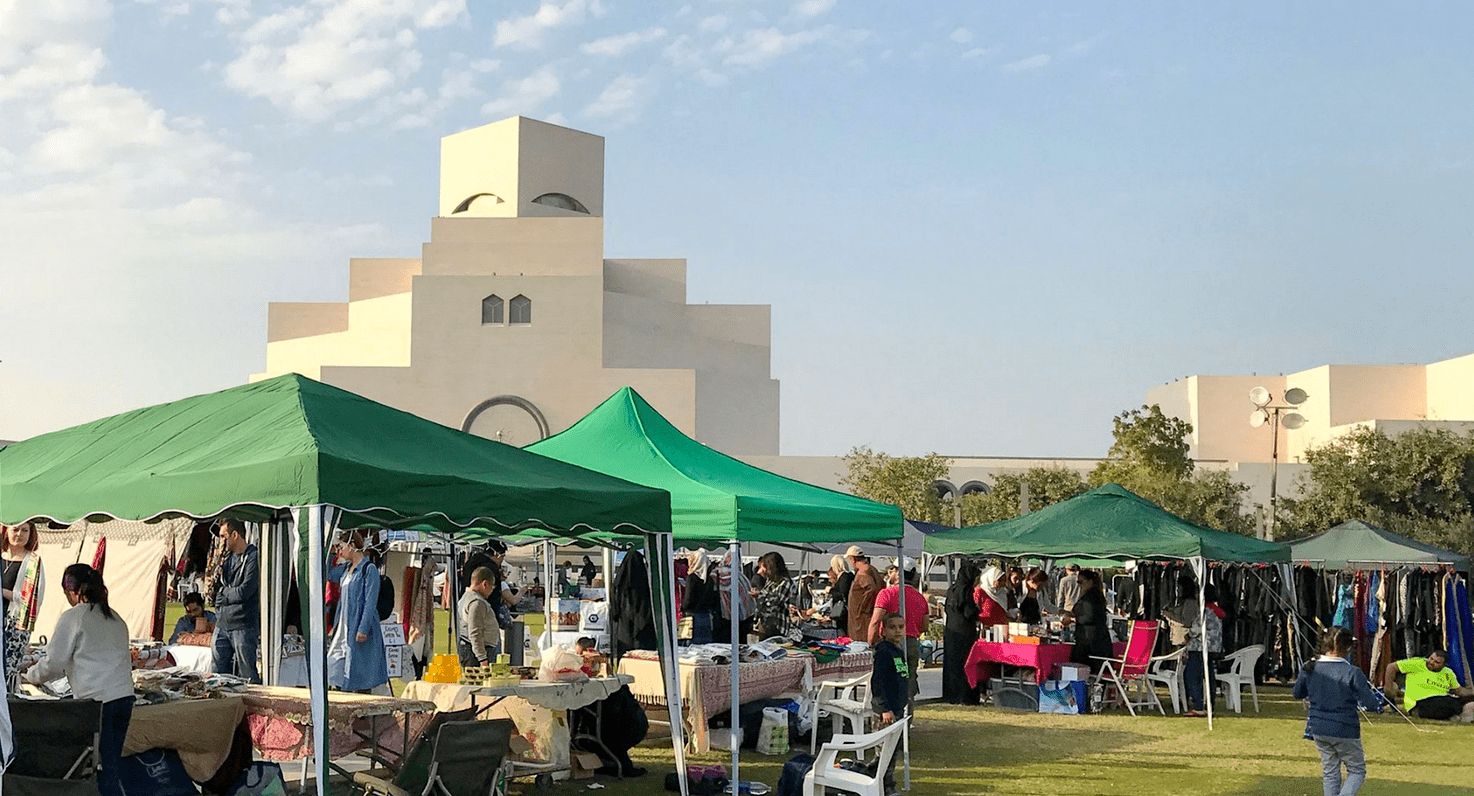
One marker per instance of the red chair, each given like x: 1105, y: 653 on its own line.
x: 1125, y: 680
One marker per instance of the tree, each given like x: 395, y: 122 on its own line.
x: 1419, y: 484
x: 1150, y: 456
x: 905, y: 481
x: 1047, y: 485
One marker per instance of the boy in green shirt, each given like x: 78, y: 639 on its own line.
x: 1432, y: 690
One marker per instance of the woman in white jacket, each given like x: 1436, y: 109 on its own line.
x: 90, y: 649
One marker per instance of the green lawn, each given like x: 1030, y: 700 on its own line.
x: 957, y: 750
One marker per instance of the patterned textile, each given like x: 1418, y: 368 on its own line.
x: 280, y: 720
x: 706, y: 688
x: 773, y: 602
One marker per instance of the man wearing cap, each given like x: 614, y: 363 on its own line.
x: 863, y: 591
x: 889, y: 602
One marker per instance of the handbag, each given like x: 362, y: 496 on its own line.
x: 155, y: 772
x: 261, y: 779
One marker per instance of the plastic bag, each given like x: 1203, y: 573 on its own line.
x: 561, y: 665
x: 1058, y: 697
x: 772, y: 738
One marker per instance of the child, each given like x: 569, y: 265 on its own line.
x: 1334, y: 688
x: 890, y: 681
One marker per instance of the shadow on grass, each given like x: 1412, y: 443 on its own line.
x: 1286, y: 786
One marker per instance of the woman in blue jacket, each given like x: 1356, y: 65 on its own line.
x: 356, y: 659
x: 1335, y: 688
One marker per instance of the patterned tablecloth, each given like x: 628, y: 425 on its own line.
x: 280, y: 720
x: 706, y: 688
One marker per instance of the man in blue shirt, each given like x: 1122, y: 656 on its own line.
x: 237, y: 604
x: 195, y: 620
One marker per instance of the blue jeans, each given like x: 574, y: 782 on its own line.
x: 235, y: 652
x: 1335, y: 752
x: 1192, y: 675
x: 115, y: 717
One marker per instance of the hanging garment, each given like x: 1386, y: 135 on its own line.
x: 1345, y: 606
x: 1466, y: 622
x: 631, y: 610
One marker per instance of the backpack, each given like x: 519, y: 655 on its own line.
x: 386, y: 597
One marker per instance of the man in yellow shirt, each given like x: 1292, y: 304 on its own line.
x: 1432, y: 690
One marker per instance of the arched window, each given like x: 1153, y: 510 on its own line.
x: 521, y: 309
x: 472, y: 199
x: 492, y: 310
x: 975, y: 488
x: 562, y: 201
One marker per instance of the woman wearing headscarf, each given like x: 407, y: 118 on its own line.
x: 1092, y: 623
x: 959, y: 634
x: 90, y: 649
x: 701, y: 601
x: 356, y: 659
x: 25, y: 587
x: 841, y: 577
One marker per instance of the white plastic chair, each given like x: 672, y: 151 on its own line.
x: 827, y: 774
x: 844, y: 700
x: 1158, y: 673
x: 1241, y: 674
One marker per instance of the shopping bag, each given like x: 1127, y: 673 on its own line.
x: 155, y: 772
x: 1058, y: 697
x: 772, y: 738
x: 261, y: 779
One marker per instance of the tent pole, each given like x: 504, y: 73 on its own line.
x: 734, y: 563
x: 550, y: 593
x: 1201, y: 565
x: 608, y: 562
x: 320, y: 523
x: 901, y: 600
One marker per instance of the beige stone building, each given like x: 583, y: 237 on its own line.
x: 512, y: 323
x: 1392, y: 398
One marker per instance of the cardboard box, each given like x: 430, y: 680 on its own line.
x: 1025, y: 639
x: 1018, y: 628
x: 584, y: 765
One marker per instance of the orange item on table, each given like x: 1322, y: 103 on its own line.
x: 1024, y: 639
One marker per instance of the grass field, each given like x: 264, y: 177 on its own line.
x: 959, y: 750
x: 963, y: 751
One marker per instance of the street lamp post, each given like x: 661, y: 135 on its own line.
x: 1267, y: 411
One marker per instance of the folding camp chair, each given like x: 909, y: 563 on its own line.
x: 388, y: 762
x: 1127, y: 676
x: 56, y: 747
x: 463, y: 759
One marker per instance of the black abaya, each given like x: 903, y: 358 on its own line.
x: 959, y: 634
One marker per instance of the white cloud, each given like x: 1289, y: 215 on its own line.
x: 312, y: 60
x: 713, y: 24
x: 526, y: 95
x: 526, y: 33
x: 1027, y: 64
x: 620, y: 101
x: 684, y: 53
x: 757, y: 47
x: 976, y: 52
x: 813, y: 8
x: 961, y: 36
x: 614, y: 46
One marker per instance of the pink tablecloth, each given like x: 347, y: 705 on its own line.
x: 1042, y: 658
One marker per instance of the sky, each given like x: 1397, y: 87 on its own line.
x: 984, y: 228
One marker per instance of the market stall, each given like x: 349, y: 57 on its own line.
x: 1399, y: 597
x: 310, y: 459
x: 1108, y: 522
x: 716, y: 500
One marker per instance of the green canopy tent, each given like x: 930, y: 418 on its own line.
x: 1359, y: 544
x: 291, y: 446
x: 715, y: 499
x: 1108, y: 522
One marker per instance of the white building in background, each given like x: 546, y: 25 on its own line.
x: 512, y: 323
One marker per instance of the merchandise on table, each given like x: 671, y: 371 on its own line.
x: 176, y: 683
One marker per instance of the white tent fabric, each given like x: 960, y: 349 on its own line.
x: 135, y: 550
